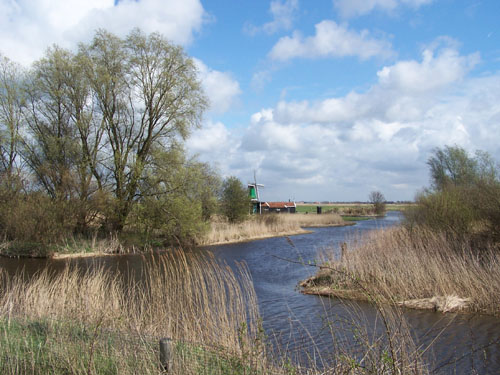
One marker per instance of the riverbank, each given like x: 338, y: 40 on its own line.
x: 352, y: 209
x: 70, y: 248
x: 221, y: 232
x: 267, y: 226
x: 415, y: 269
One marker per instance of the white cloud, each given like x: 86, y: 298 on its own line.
x: 353, y: 8
x: 283, y: 15
x: 27, y: 28
x: 341, y: 148
x: 213, y: 136
x: 433, y: 72
x: 220, y: 88
x: 331, y: 40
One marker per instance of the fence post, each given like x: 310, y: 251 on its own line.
x: 343, y: 251
x: 166, y: 354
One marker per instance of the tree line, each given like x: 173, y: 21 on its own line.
x: 93, y: 139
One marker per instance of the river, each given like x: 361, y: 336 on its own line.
x: 308, y: 326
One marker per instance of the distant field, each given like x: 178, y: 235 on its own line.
x: 340, y: 207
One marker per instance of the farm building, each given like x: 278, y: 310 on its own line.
x: 289, y: 207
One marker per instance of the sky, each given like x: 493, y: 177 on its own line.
x: 326, y: 100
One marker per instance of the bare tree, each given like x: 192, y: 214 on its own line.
x: 50, y: 148
x: 378, y: 200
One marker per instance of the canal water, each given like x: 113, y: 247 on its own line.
x: 459, y: 344
x: 307, y: 326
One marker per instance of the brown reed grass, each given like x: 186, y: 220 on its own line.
x: 417, y: 268
x: 96, y: 322
x: 182, y: 296
x: 188, y: 297
x: 268, y: 225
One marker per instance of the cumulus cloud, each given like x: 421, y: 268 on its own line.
x: 27, y: 28
x: 331, y: 40
x: 213, y: 136
x: 343, y: 147
x: 220, y: 87
x: 432, y: 73
x: 353, y: 8
x: 283, y: 15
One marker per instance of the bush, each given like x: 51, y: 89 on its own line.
x: 234, y: 202
x: 36, y: 218
x: 465, y: 199
x: 175, y: 220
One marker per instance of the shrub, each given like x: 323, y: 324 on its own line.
x: 464, y: 200
x: 235, y: 203
x: 36, y: 218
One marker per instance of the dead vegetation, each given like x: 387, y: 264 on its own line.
x: 268, y: 225
x: 415, y: 268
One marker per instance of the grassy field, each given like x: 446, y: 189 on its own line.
x: 342, y: 208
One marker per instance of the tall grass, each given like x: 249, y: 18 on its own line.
x: 418, y: 268
x: 97, y: 322
x: 182, y: 296
x: 58, y: 323
x: 268, y: 225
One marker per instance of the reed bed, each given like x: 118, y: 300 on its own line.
x: 268, y: 225
x: 95, y: 322
x: 415, y: 268
x: 182, y: 296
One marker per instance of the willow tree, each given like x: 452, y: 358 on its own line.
x: 11, y: 101
x: 178, y: 196
x: 148, y: 96
x: 51, y: 147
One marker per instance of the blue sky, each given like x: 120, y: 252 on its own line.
x: 325, y: 99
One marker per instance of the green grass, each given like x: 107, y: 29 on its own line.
x: 312, y: 208
x: 304, y: 209
x: 56, y: 347
x: 355, y: 218
x: 342, y: 208
x: 213, y: 361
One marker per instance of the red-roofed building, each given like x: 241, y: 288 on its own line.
x: 289, y: 207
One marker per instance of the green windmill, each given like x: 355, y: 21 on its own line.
x: 253, y: 193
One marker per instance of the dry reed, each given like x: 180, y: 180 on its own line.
x: 95, y: 322
x: 190, y: 298
x: 417, y: 268
x: 268, y: 225
x: 183, y: 296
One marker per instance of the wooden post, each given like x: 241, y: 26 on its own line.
x: 343, y: 251
x: 166, y: 354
